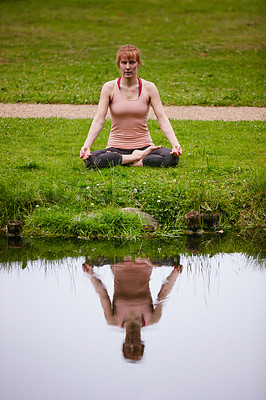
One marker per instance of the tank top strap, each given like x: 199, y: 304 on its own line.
x: 140, y: 86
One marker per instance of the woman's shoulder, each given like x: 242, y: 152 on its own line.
x: 150, y: 87
x: 108, y: 88
x: 109, y: 85
x: 147, y: 83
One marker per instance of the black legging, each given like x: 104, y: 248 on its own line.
x: 112, y: 156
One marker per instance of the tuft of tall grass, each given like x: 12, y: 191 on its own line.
x: 110, y: 223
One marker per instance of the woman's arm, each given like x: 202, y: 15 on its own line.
x: 99, y: 119
x: 164, y: 292
x: 163, y: 121
x: 103, y: 294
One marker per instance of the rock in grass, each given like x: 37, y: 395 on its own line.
x: 14, y: 228
x: 150, y: 223
x: 193, y: 223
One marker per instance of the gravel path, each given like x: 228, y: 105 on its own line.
x: 72, y: 111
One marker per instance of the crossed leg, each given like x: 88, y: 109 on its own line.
x: 153, y: 156
x: 135, y: 159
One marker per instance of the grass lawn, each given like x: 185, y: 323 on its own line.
x: 207, y: 52
x: 45, y: 184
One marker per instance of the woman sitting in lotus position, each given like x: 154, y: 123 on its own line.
x: 129, y: 99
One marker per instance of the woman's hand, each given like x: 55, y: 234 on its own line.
x: 88, y: 268
x: 178, y: 268
x: 85, y: 152
x: 177, y: 150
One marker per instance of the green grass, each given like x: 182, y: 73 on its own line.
x: 207, y: 52
x: 45, y: 184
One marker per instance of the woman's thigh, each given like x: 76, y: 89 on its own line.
x: 103, y: 159
x: 161, y: 157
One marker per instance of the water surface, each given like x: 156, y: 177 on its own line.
x: 58, y: 339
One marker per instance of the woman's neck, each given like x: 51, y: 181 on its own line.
x: 129, y: 82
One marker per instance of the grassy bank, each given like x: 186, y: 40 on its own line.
x: 45, y: 184
x: 197, y: 52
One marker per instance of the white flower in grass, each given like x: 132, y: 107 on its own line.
x: 92, y: 204
x: 135, y: 190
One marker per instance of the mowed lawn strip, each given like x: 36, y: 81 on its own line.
x: 197, y: 52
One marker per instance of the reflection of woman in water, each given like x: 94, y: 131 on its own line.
x: 132, y: 306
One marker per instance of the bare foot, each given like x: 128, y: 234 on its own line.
x: 135, y: 158
x: 140, y: 154
x: 87, y: 268
x: 138, y: 163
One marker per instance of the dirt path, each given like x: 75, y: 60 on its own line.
x: 23, y: 110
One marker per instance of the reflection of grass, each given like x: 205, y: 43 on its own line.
x: 164, y: 252
x: 44, y: 183
x: 197, y: 52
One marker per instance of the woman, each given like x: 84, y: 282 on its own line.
x: 129, y: 99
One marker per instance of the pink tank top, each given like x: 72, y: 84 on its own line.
x: 132, y: 291
x: 129, y: 128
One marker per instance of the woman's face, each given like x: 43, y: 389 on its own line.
x: 128, y: 67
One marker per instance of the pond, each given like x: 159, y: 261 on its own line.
x: 149, y: 319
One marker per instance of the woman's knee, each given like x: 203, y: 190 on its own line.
x: 170, y: 160
x: 103, y: 159
x: 161, y: 158
x: 88, y: 162
x: 94, y: 159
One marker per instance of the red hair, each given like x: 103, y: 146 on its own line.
x: 127, y: 52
